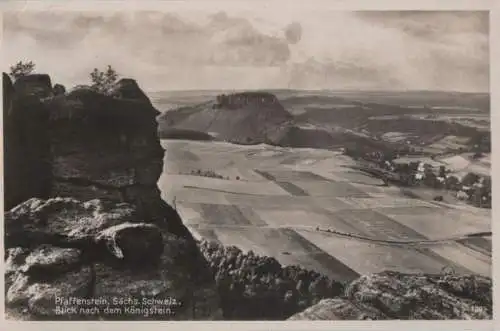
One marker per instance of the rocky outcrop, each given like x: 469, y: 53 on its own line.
x: 8, y: 93
x: 108, y: 148
x: 392, y: 295
x: 59, y: 89
x: 98, y: 249
x: 99, y: 230
x: 127, y: 88
x: 38, y: 85
x: 27, y: 168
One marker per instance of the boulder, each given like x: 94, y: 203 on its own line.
x: 14, y: 260
x: 62, y: 221
x: 169, y: 291
x: 47, y: 260
x: 101, y: 250
x: 50, y: 242
x: 136, y: 243
x: 36, y: 300
x: 393, y: 295
x: 38, y: 276
x: 338, y: 309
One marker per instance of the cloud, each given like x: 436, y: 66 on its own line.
x: 293, y: 32
x: 155, y: 36
x: 449, y: 49
x: 393, y: 50
x: 258, y: 49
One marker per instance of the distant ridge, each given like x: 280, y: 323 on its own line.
x: 249, y: 118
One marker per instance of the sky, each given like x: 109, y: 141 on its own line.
x: 257, y: 48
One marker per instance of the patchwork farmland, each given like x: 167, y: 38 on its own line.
x: 280, y: 202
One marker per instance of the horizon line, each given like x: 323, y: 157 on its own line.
x: 314, y: 90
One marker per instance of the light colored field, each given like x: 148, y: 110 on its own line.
x: 457, y: 162
x: 304, y: 219
x: 356, y: 177
x: 330, y: 189
x: 383, y: 191
x: 442, y: 222
x: 394, y: 136
x: 367, y: 258
x: 427, y: 160
x: 283, y: 194
x: 451, y: 142
x: 384, y: 202
x: 462, y: 163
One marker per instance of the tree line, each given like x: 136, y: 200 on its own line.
x: 253, y: 287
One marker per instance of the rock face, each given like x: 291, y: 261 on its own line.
x: 238, y: 100
x: 98, y: 229
x: 108, y: 148
x: 38, y: 85
x: 27, y: 168
x: 392, y: 295
x: 127, y: 88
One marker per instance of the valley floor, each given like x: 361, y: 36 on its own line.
x: 273, y: 200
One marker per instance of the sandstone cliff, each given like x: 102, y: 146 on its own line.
x: 26, y: 146
x: 392, y: 295
x: 92, y: 224
x: 39, y: 85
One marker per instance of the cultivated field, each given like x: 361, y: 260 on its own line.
x: 464, y: 163
x: 276, y: 197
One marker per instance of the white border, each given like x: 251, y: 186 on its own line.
x: 94, y: 5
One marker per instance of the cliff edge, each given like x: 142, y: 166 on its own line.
x: 84, y: 217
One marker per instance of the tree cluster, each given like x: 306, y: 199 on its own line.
x: 21, y: 69
x: 103, y: 81
x: 476, y: 188
x: 253, y: 287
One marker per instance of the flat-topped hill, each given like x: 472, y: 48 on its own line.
x: 243, y: 118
